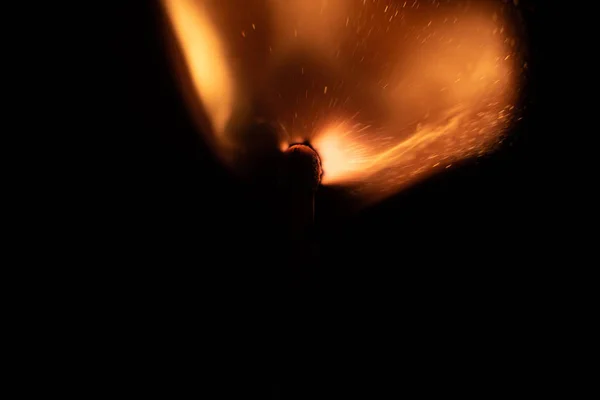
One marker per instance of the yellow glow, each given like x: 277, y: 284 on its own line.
x: 205, y: 59
x: 340, y: 157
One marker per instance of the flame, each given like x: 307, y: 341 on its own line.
x: 316, y: 34
x: 205, y: 57
x: 387, y: 91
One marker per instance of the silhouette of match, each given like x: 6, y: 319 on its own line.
x: 302, y: 166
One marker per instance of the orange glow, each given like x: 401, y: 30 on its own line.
x: 317, y: 25
x: 205, y: 58
x: 387, y: 91
x: 343, y: 158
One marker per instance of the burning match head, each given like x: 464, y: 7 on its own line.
x: 387, y: 93
x: 303, y: 167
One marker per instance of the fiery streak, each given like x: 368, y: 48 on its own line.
x: 386, y: 91
x: 205, y: 58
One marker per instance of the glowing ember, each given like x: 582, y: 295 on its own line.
x: 386, y: 91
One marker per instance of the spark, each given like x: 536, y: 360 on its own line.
x: 408, y: 95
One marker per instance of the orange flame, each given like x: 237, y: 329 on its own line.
x: 387, y: 91
x: 205, y: 58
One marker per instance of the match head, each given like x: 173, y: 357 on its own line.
x: 303, y: 166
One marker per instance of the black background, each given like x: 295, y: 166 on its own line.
x: 452, y: 269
